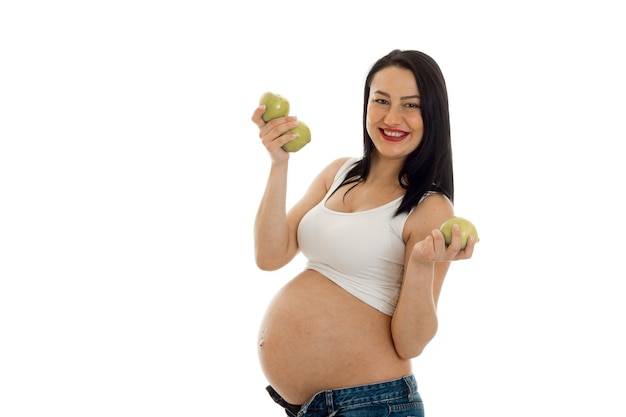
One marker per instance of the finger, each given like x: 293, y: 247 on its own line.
x: 430, y: 243
x: 277, y: 127
x: 256, y: 116
x: 469, y: 248
x: 282, y: 139
x: 455, y: 242
x: 439, y: 241
x: 424, y: 251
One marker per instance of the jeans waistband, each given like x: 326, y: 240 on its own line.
x: 405, y: 386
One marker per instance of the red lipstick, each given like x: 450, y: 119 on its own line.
x: 393, y: 135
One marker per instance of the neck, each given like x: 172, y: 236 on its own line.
x: 385, y: 170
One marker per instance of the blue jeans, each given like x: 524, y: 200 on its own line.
x: 397, y: 398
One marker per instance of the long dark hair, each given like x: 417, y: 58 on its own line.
x: 429, y: 167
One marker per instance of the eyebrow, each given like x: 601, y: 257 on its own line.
x: 401, y: 98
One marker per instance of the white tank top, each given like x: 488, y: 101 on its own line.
x: 362, y: 252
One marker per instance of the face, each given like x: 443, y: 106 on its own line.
x: 394, y: 119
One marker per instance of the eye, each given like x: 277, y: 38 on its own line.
x: 412, y: 105
x: 380, y: 101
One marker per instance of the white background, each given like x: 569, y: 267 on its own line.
x: 130, y: 173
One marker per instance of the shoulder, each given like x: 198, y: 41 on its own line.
x: 344, y: 162
x: 323, y: 182
x: 329, y: 173
x: 429, y: 214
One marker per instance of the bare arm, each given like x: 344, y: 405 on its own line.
x: 275, y: 229
x: 427, y: 261
x: 272, y: 234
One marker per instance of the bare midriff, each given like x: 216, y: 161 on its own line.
x: 316, y: 336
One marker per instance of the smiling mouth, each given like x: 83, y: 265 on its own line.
x: 393, y: 135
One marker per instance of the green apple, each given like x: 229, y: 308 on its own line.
x: 304, y: 137
x: 467, y: 229
x: 275, y: 106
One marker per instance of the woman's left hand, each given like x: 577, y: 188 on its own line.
x: 433, y: 248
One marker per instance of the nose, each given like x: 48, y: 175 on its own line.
x: 393, y: 116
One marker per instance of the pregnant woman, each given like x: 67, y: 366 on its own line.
x: 338, y: 339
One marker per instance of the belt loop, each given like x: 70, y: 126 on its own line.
x: 410, y: 383
x: 330, y: 406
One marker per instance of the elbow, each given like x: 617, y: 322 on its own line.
x: 269, y: 262
x: 414, y: 348
x: 267, y: 267
x: 410, y: 353
x: 272, y: 259
x: 265, y: 264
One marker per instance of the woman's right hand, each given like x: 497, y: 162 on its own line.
x: 272, y: 133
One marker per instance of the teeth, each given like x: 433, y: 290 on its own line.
x: 393, y: 134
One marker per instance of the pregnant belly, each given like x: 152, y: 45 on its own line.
x: 316, y: 336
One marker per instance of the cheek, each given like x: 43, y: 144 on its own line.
x: 416, y: 122
x: 373, y: 116
x: 370, y: 129
x: 370, y: 118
